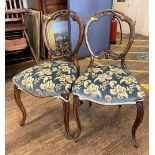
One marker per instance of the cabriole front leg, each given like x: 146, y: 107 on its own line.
x: 19, y: 103
x: 138, y: 120
x: 76, y: 102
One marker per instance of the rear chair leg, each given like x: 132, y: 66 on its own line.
x: 138, y: 120
x: 20, y: 105
x: 66, y: 110
x: 76, y: 102
x: 90, y: 103
x: 81, y: 102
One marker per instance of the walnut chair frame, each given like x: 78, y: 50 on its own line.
x: 108, y: 54
x: 16, y: 37
x: 61, y: 53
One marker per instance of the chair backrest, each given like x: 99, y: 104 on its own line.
x: 14, y: 11
x: 63, y: 52
x: 108, y: 54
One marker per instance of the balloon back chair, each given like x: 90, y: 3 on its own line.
x: 16, y: 38
x: 109, y: 85
x: 55, y: 77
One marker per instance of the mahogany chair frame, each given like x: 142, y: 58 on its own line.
x: 108, y: 54
x: 61, y: 53
x: 15, y: 26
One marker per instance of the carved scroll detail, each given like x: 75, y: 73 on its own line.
x: 107, y: 55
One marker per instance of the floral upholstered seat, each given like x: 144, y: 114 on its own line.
x: 109, y: 85
x: 52, y: 78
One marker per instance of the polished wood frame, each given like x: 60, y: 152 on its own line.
x: 73, y: 55
x: 108, y: 54
x: 62, y: 53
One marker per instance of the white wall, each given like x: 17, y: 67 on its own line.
x: 142, y: 17
x: 138, y: 10
x: 25, y: 3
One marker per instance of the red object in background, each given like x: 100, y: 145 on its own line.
x: 113, y: 33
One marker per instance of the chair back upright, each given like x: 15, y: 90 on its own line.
x: 109, y: 54
x: 63, y: 52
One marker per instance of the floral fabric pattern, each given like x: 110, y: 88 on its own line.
x: 108, y: 85
x: 48, y: 79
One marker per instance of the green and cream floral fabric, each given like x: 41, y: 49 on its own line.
x: 109, y: 85
x: 48, y: 79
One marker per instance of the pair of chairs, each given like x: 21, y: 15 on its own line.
x: 106, y: 85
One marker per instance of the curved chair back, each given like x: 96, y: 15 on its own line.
x: 64, y: 52
x: 108, y: 54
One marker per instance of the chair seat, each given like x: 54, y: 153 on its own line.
x: 109, y: 85
x: 48, y: 79
x: 15, y: 44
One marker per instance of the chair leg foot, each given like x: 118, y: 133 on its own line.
x: 81, y: 102
x: 76, y: 102
x: 138, y: 120
x: 66, y: 110
x: 90, y: 103
x: 20, y: 105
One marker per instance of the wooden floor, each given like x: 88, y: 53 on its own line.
x: 106, y: 130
